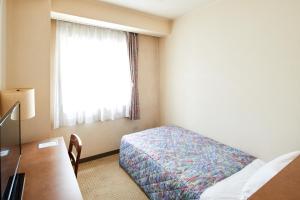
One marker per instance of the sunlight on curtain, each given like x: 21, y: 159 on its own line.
x: 92, y: 75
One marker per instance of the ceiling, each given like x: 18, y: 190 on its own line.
x: 165, y: 8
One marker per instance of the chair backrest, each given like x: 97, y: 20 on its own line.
x: 75, y: 142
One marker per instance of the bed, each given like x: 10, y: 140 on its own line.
x: 170, y: 162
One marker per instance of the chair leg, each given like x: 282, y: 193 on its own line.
x: 76, y: 170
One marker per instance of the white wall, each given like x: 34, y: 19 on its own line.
x: 231, y: 71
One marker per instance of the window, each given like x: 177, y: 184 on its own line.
x: 92, y: 77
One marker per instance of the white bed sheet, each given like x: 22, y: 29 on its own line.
x: 231, y: 187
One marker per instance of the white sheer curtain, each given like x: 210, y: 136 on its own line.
x: 91, y: 75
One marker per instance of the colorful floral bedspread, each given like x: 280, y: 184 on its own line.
x: 170, y: 162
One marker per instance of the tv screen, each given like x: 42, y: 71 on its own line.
x: 10, y: 149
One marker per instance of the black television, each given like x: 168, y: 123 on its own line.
x: 10, y: 153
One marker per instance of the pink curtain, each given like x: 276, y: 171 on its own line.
x: 132, y: 39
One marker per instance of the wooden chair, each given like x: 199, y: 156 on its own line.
x: 76, y: 142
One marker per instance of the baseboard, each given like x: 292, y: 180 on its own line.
x: 101, y: 155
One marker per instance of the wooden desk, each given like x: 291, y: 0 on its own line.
x: 48, y: 172
x: 284, y: 186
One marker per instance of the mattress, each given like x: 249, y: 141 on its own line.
x: 170, y: 162
x: 231, y: 188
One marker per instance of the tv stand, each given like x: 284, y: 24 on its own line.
x: 17, y: 190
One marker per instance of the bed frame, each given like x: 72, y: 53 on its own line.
x: 285, y: 185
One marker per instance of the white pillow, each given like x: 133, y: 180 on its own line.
x: 265, y: 173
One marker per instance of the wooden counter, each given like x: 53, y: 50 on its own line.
x: 48, y: 172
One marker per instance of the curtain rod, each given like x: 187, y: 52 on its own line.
x: 102, y: 24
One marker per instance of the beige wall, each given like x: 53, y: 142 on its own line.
x: 28, y: 59
x: 231, y: 71
x: 95, y: 9
x: 29, y: 40
x: 2, y: 43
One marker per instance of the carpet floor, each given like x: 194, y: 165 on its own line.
x: 104, y: 179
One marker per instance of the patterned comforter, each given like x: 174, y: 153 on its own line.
x: 170, y: 162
